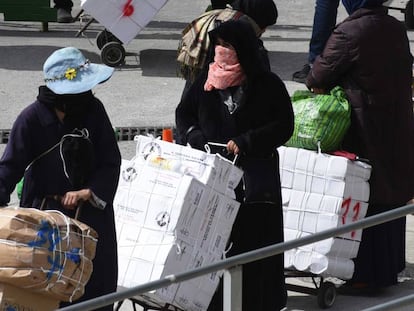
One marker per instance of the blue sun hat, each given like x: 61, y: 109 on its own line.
x: 67, y: 71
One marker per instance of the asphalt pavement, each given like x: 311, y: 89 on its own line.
x: 145, y: 90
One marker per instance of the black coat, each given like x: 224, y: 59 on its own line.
x: 369, y: 55
x: 35, y: 130
x: 262, y: 122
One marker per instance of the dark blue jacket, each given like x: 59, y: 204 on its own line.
x: 37, y: 129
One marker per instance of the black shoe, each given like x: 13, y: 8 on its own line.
x: 64, y: 16
x: 300, y: 76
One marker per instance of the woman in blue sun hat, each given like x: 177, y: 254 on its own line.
x: 64, y: 146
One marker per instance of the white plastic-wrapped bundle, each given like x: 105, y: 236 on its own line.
x: 45, y: 252
x: 320, y: 192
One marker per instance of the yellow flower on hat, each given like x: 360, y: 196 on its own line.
x: 70, y: 73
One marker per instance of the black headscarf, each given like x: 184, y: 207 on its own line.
x: 77, y: 149
x: 263, y: 12
x: 241, y: 36
x: 75, y: 106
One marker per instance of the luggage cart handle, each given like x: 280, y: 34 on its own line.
x: 88, y: 23
x: 208, y: 150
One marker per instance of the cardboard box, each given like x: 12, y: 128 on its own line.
x: 14, y: 298
x: 167, y: 223
x: 211, y: 169
x: 124, y: 18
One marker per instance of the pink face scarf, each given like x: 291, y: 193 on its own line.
x: 225, y: 71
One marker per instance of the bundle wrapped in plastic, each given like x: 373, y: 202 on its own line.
x: 45, y: 252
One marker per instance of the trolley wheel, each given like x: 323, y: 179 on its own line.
x: 326, y: 295
x: 113, y: 54
x: 409, y: 15
x: 104, y: 37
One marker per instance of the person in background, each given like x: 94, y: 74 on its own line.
x: 368, y: 54
x: 65, y: 147
x: 64, y: 11
x: 262, y: 14
x: 324, y: 21
x: 239, y: 102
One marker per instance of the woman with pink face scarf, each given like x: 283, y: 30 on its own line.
x: 239, y: 102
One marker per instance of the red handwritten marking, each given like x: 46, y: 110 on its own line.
x: 128, y: 9
x: 356, y: 209
x: 345, y: 204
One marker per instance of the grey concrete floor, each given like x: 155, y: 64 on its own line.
x: 145, y: 91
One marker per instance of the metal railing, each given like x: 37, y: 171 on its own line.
x: 123, y: 133
x: 392, y: 305
x: 234, y: 264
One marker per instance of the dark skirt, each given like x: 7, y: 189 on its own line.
x: 381, y: 254
x: 258, y: 225
x: 104, y: 277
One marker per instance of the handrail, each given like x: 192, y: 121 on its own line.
x: 393, y: 304
x: 240, y: 259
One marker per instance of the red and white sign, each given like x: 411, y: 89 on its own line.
x: 124, y: 18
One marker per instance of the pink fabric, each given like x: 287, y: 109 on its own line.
x: 225, y: 71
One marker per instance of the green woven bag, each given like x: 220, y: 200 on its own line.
x: 320, y: 119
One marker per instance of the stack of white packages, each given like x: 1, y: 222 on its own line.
x: 211, y: 169
x: 321, y: 192
x: 169, y: 222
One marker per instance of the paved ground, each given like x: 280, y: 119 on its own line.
x: 145, y: 91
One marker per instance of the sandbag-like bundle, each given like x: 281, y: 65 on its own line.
x: 45, y: 252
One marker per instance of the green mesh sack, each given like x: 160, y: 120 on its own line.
x: 19, y: 188
x: 320, y: 119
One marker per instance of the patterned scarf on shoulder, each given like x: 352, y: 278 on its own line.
x: 195, y: 42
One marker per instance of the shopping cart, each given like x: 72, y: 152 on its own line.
x: 122, y: 19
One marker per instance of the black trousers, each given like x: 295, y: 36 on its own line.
x: 258, y: 225
x: 381, y: 254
